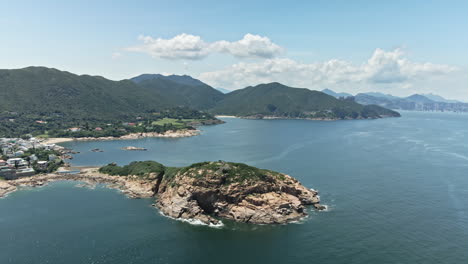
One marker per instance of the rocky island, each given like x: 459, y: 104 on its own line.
x: 207, y: 191
x: 210, y: 191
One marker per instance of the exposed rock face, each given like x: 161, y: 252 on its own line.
x: 217, y: 190
x: 204, y: 191
x: 132, y: 186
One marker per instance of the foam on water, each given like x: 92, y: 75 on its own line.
x: 195, y: 222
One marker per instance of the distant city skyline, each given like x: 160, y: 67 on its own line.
x: 397, y: 47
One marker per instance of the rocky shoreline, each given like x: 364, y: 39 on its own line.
x: 211, y: 191
x: 205, y: 192
x: 167, y: 134
x: 131, y: 186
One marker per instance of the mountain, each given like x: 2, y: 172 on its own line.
x: 381, y: 95
x: 180, y: 79
x: 438, y: 98
x: 181, y: 91
x: 335, y: 94
x: 414, y: 102
x: 45, y: 91
x: 43, y: 99
x: 49, y: 102
x: 275, y: 99
x: 417, y: 98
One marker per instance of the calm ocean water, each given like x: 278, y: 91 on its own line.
x: 397, y: 190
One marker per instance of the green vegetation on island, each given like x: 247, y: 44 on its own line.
x: 231, y: 171
x: 208, y: 191
x: 137, y: 168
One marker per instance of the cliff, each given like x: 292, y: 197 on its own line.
x: 207, y: 191
x: 210, y: 190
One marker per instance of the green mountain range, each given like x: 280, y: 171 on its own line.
x: 181, y: 91
x: 275, y: 99
x: 45, y: 92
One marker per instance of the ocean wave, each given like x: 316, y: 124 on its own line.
x: 194, y: 222
x: 454, y: 154
x: 327, y: 208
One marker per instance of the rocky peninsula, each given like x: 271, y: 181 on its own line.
x: 132, y: 186
x: 210, y: 191
x: 207, y: 191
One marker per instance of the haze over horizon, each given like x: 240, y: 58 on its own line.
x: 397, y: 47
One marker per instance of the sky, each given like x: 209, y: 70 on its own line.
x: 396, y: 47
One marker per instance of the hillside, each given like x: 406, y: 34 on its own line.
x: 180, y: 79
x: 47, y: 91
x: 197, y: 96
x: 275, y: 99
x: 335, y: 94
x: 49, y: 102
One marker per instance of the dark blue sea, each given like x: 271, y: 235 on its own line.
x: 396, y: 191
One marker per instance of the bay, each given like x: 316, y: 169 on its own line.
x: 396, y: 188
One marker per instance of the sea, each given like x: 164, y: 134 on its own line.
x: 396, y: 191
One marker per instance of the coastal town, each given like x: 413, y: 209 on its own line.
x: 25, y: 157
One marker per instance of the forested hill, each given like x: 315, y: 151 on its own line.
x: 45, y: 101
x: 46, y: 91
x: 181, y: 90
x: 275, y: 99
x: 60, y: 98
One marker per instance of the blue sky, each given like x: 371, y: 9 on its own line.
x: 399, y: 47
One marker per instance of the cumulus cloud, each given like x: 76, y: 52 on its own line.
x: 190, y: 47
x: 249, y: 46
x: 381, y: 67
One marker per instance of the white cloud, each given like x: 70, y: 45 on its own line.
x: 383, y: 67
x: 190, y: 47
x: 250, y: 46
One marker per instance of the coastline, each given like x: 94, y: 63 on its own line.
x: 309, y: 118
x: 167, y: 134
x: 131, y: 186
x: 280, y: 200
x: 226, y: 116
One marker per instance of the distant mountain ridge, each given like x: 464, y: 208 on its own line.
x: 335, y: 94
x: 278, y: 100
x: 438, y: 98
x: 46, y: 91
x: 180, y: 79
x: 175, y: 91
x: 418, y: 102
x: 415, y: 102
